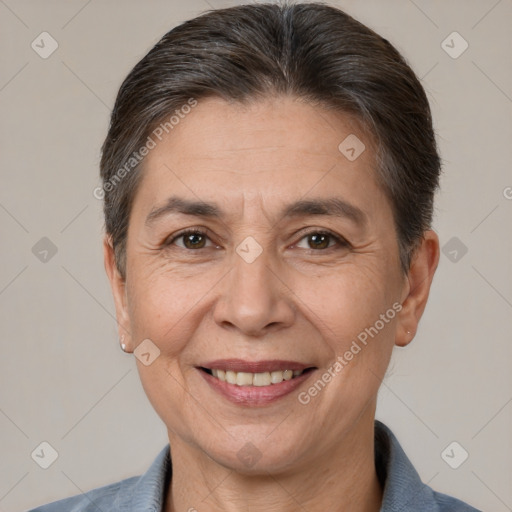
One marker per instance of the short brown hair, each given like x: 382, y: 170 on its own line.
x: 311, y: 51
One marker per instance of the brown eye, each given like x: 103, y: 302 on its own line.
x: 321, y: 240
x: 194, y: 240
x: 191, y: 239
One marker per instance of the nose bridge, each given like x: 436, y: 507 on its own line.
x: 253, y: 297
x: 252, y: 272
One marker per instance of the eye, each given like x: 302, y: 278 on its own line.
x: 321, y: 240
x: 318, y: 240
x: 191, y: 238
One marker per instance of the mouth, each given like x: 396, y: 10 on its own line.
x: 259, y: 379
x: 254, y: 383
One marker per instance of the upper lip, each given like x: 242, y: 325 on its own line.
x: 239, y: 365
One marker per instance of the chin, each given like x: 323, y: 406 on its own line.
x: 256, y: 452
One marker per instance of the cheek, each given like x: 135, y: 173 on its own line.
x: 343, y: 305
x: 162, y: 301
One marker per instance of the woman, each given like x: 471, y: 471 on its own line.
x: 268, y: 178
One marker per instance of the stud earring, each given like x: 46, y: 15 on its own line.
x: 123, y: 345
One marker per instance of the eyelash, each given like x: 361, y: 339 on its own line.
x: 340, y: 241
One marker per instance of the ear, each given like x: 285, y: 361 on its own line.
x: 417, y: 287
x: 118, y: 285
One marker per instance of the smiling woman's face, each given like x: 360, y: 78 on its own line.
x: 284, y: 287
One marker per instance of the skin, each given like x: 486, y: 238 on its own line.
x: 294, y: 302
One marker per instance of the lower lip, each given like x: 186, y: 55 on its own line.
x: 254, y: 395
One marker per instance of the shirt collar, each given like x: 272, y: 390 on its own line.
x: 148, y: 493
x: 403, y: 488
x: 402, y: 485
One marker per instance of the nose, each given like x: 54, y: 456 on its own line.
x: 255, y: 300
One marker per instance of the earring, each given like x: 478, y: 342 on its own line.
x: 123, y: 345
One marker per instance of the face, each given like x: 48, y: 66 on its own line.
x: 255, y: 246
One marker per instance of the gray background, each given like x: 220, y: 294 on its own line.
x: 63, y: 378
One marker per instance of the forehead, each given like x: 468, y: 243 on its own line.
x: 267, y: 149
x: 216, y: 129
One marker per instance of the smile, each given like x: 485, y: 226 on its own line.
x: 254, y: 383
x: 254, y: 379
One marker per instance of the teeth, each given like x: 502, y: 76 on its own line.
x: 243, y: 379
x: 255, y: 379
x: 261, y: 379
x: 287, y: 374
x: 276, y: 377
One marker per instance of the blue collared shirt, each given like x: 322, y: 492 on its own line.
x: 403, y: 488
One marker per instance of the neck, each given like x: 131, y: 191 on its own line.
x: 342, y: 479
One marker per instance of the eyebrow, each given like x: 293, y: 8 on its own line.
x: 331, y: 206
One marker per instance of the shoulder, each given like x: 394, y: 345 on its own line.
x: 107, y: 497
x: 447, y: 503
x: 401, y: 482
x: 144, y: 492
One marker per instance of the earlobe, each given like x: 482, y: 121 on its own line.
x: 118, y: 286
x: 417, y: 287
